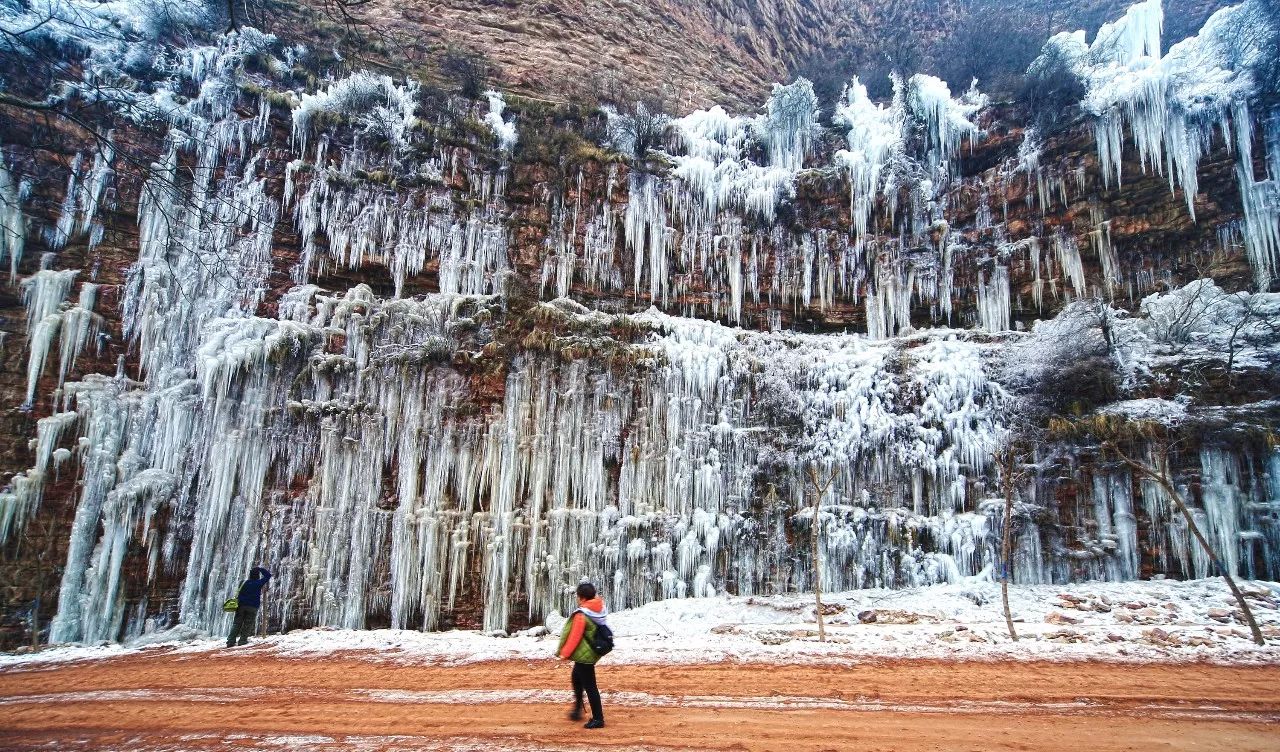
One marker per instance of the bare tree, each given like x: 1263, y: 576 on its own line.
x: 820, y: 488
x: 638, y: 127
x: 469, y: 70
x: 1253, y: 324
x: 1160, y: 474
x: 1008, y: 459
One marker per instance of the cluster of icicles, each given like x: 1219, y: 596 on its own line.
x: 342, y: 442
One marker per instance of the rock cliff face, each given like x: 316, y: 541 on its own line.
x: 701, y: 53
x: 434, y: 359
x: 697, y: 53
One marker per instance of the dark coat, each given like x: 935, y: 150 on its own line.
x: 251, y: 591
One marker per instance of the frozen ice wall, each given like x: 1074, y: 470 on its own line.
x: 342, y: 443
x: 409, y: 418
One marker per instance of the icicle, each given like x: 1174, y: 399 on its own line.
x: 994, y: 311
x: 79, y: 325
x: 1067, y: 253
x: 13, y: 224
x: 946, y: 121
x: 1173, y: 104
x: 874, y: 137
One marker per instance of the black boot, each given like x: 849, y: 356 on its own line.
x: 594, y: 723
x: 576, y: 713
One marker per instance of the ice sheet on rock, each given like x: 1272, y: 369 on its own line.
x: 649, y: 485
x: 1148, y: 408
x: 503, y: 130
x: 377, y: 106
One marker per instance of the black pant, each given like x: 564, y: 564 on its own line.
x: 584, y: 679
x: 245, y: 624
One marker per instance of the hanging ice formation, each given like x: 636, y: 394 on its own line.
x: 716, y: 181
x: 906, y: 148
x: 503, y: 130
x: 378, y: 107
x: 44, y: 293
x: 1173, y: 103
x: 729, y: 174
x: 13, y: 225
x: 647, y: 481
x: 402, y: 456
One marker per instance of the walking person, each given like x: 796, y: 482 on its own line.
x: 584, y: 634
x: 248, y: 601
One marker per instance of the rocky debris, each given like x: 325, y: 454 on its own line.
x: 1146, y: 615
x: 1064, y: 635
x: 1161, y: 637
x: 1256, y: 590
x: 1057, y: 617
x: 961, y: 634
x: 1224, y: 614
x: 1095, y: 603
x: 783, y: 606
x: 1259, y: 596
x: 778, y: 637
x: 867, y: 617
x: 773, y: 638
x: 724, y: 629
x: 896, y: 616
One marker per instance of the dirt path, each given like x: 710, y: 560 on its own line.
x: 248, y: 700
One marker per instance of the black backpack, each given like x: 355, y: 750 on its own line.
x: 602, y: 641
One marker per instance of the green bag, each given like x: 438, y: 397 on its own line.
x: 231, y: 606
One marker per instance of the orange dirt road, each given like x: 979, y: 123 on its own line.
x: 250, y: 700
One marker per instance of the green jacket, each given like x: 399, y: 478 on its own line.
x: 583, y: 653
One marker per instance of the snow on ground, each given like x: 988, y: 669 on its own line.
x: 1150, y: 621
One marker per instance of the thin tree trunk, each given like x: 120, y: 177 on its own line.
x: 1162, y: 478
x: 35, y: 620
x: 1007, y: 484
x: 819, y: 490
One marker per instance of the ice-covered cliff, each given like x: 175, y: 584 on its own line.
x: 436, y: 359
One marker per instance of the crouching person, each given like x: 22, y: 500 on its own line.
x: 248, y: 601
x: 586, y: 637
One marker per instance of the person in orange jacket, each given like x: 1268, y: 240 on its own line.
x: 576, y: 644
